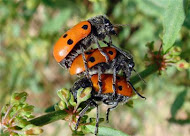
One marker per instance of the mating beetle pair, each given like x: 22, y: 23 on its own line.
x: 124, y: 92
x: 71, y: 51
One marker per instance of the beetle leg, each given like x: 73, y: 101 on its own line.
x: 81, y: 114
x: 114, y: 80
x: 108, y: 111
x: 97, y: 116
x: 99, y: 80
x: 126, y: 73
x: 101, y: 51
x: 85, y: 63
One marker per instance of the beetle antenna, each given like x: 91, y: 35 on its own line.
x: 136, y: 90
x: 125, y: 53
x: 139, y: 76
x: 120, y: 25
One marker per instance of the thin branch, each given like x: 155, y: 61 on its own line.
x: 49, y: 118
x: 150, y: 70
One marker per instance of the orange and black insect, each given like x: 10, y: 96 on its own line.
x: 124, y: 90
x: 119, y: 61
x: 80, y: 37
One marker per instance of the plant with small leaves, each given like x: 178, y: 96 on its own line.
x: 172, y: 58
x: 73, y: 108
x: 15, y: 116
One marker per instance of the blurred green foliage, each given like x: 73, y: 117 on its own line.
x: 29, y: 29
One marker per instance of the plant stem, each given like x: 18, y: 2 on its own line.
x: 49, y: 118
x: 61, y: 114
x: 150, y: 70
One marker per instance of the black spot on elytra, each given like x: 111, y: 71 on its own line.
x: 88, y: 53
x: 118, y: 78
x: 85, y: 27
x: 110, y: 52
x: 69, y: 42
x: 65, y: 35
x: 92, y: 59
x: 120, y: 88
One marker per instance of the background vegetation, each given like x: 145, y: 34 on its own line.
x: 29, y: 29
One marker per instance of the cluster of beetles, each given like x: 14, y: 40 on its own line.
x: 98, y: 68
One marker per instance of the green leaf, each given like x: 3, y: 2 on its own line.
x: 83, y: 94
x: 179, y: 121
x: 105, y: 131
x: 32, y: 130
x: 18, y: 98
x: 153, y: 7
x: 64, y: 94
x: 173, y: 19
x: 177, y: 104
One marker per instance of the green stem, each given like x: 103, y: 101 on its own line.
x: 57, y: 115
x: 49, y: 118
x: 150, y: 70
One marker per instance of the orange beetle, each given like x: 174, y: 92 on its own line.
x: 81, y: 37
x: 119, y: 60
x: 124, y: 93
x: 67, y: 41
x: 123, y: 87
x: 93, y: 57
